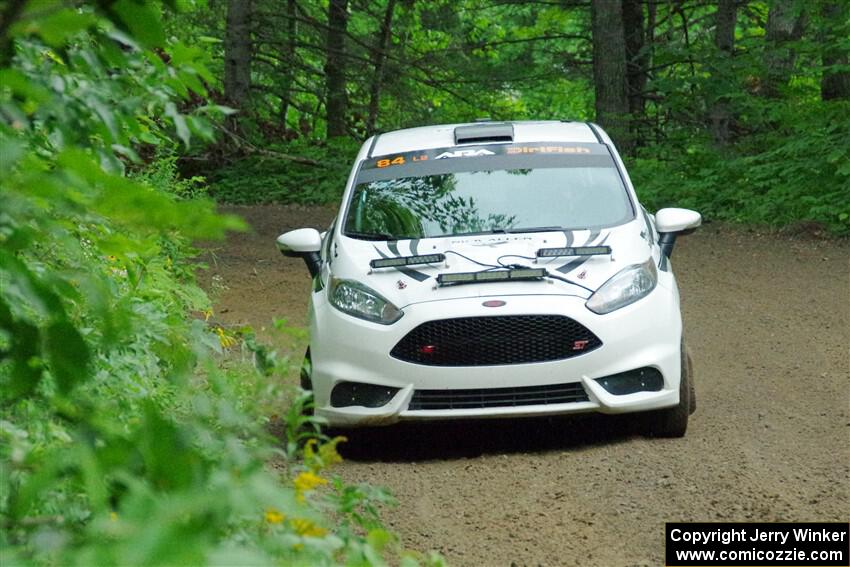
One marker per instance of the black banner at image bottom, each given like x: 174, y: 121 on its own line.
x: 815, y: 544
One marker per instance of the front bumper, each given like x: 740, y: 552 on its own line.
x: 644, y: 334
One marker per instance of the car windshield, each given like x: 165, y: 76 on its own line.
x: 474, y: 196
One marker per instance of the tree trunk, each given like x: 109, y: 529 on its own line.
x: 237, y: 53
x: 784, y: 25
x: 609, y: 70
x: 649, y: 42
x: 637, y: 61
x: 380, y: 62
x: 289, y: 73
x: 725, y: 20
x: 834, y: 84
x: 336, y: 99
x: 9, y: 14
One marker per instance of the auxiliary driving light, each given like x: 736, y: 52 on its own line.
x: 576, y: 251
x: 407, y: 261
x: 492, y: 276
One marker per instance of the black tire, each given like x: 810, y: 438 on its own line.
x: 690, y: 369
x: 306, y: 380
x: 306, y: 371
x: 673, y: 422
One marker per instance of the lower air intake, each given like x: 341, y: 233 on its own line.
x: 498, y: 397
x: 493, y: 341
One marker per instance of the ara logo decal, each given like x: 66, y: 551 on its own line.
x: 400, y: 284
x: 465, y: 153
x: 582, y: 275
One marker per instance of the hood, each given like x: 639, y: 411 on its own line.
x: 405, y: 286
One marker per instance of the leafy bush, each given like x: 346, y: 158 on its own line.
x: 265, y: 178
x: 795, y: 172
x: 123, y: 439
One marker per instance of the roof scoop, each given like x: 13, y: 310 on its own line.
x: 484, y: 132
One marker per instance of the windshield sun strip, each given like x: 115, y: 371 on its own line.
x: 482, y: 164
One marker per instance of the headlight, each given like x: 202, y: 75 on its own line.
x: 361, y: 301
x: 625, y: 287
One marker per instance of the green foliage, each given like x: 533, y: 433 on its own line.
x: 795, y: 170
x: 164, y: 172
x: 124, y: 438
x: 786, y: 158
x: 268, y: 179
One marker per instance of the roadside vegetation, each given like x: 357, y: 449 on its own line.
x: 132, y: 430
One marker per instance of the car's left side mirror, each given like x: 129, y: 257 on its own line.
x: 304, y: 243
x: 672, y: 223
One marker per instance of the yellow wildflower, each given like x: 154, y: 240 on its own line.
x: 328, y: 452
x: 224, y: 338
x: 273, y: 516
x: 307, y: 528
x: 310, y: 448
x: 308, y: 481
x: 113, y: 517
x: 319, y: 457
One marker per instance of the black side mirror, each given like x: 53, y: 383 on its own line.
x: 672, y: 223
x: 304, y: 243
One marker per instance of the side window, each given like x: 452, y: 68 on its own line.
x: 326, y: 244
x: 651, y: 234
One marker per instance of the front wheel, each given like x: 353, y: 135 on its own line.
x: 673, y: 422
x: 307, y: 383
x: 307, y: 371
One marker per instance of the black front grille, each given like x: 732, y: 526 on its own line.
x: 498, y: 397
x: 490, y: 341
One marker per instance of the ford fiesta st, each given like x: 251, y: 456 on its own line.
x: 492, y: 270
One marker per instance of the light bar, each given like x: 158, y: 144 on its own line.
x: 577, y: 251
x: 492, y: 276
x: 407, y: 261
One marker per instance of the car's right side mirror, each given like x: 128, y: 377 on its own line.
x: 303, y: 243
x: 672, y: 223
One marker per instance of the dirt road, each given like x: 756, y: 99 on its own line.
x: 767, y: 319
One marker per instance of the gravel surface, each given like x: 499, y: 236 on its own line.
x: 766, y: 317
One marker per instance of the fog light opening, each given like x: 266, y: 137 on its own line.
x: 645, y: 379
x: 346, y: 394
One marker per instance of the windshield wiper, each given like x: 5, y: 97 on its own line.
x: 512, y: 230
x: 480, y: 232
x: 374, y: 236
x: 534, y: 229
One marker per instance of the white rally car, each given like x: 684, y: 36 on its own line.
x: 494, y: 269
